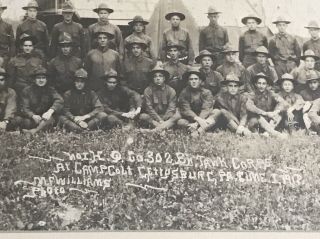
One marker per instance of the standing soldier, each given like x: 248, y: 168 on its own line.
x: 101, y: 59
x: 21, y: 67
x: 262, y: 65
x: 34, y: 27
x: 120, y: 103
x: 7, y: 42
x: 138, y: 25
x: 82, y: 107
x: 284, y: 49
x: 251, y: 40
x: 137, y: 65
x: 300, y: 74
x: 69, y: 26
x: 214, y: 37
x: 41, y: 104
x: 61, y: 69
x: 178, y: 35
x: 116, y: 43
x: 314, y: 42
x: 175, y: 68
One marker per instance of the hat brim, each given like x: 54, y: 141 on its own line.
x: 186, y: 75
x: 179, y: 14
x: 263, y: 53
x: 68, y: 11
x: 142, y: 45
x: 307, y: 80
x: 269, y: 81
x: 109, y: 10
x: 180, y: 48
x: 245, y: 19
x: 4, y: 8
x: 213, y: 13
x: 229, y: 51
x: 29, y: 38
x: 276, y: 22
x: 142, y: 21
x: 106, y: 77
x: 226, y: 82
x: 27, y: 7
x: 109, y: 35
x: 39, y: 74
x: 310, y: 27
x: 164, y: 72
x: 65, y: 43
x: 199, y: 58
x: 316, y: 58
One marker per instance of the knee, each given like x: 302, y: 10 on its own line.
x: 253, y: 122
x: 182, y: 122
x: 144, y: 117
x: 101, y: 116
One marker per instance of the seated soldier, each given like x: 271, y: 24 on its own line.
x: 232, y: 106
x: 196, y: 105
x: 82, y: 107
x: 264, y: 107
x: 314, y: 115
x: 175, y: 68
x: 40, y: 104
x: 8, y: 103
x: 160, y: 102
x: 137, y: 66
x: 292, y: 117
x: 120, y: 103
x: 213, y: 78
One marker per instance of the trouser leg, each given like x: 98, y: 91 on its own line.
x: 113, y: 121
x: 183, y: 123
x: 253, y: 124
x: 69, y: 125
x: 97, y: 121
x: 146, y: 121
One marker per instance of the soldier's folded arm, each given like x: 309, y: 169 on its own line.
x: 149, y: 105
x: 207, y: 104
x: 314, y: 112
x: 253, y: 108
x: 58, y: 101
x: 171, y: 110
x: 11, y: 107
x: 67, y: 106
x: 185, y: 107
x: 96, y: 104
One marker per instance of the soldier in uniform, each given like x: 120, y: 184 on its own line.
x: 314, y: 42
x: 101, y: 59
x: 261, y: 65
x: 69, y: 26
x: 312, y: 90
x: 21, y: 67
x: 175, y: 68
x: 116, y: 43
x: 250, y: 40
x: 82, y: 107
x: 41, y: 104
x: 121, y: 104
x: 62, y: 68
x: 7, y: 41
x: 138, y: 25
x: 137, y: 65
x: 214, y: 37
x: 177, y: 34
x: 284, y: 49
x: 314, y: 115
x: 34, y: 27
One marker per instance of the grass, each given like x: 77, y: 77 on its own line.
x: 186, y: 204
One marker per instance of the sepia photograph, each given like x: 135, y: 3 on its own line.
x: 159, y: 116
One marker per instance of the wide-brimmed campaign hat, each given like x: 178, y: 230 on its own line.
x: 251, y: 16
x: 159, y: 69
x: 175, y: 13
x: 232, y: 78
x: 138, y: 19
x: 40, y: 70
x: 281, y: 19
x: 26, y: 37
x: 174, y: 45
x: 111, y: 74
x: 212, y: 10
x: 261, y: 50
x: 264, y: 76
x: 202, y: 54
x: 2, y: 6
x: 103, y: 30
x: 312, y: 25
x: 103, y: 6
x: 65, y: 39
x: 193, y: 70
x: 309, y: 53
x: 67, y: 7
x: 81, y: 73
x: 229, y: 48
x: 137, y: 41
x: 31, y: 4
x: 312, y: 75
x: 285, y: 77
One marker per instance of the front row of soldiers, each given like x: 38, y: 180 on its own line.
x: 40, y: 107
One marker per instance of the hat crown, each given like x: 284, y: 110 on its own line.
x: 32, y: 3
x: 230, y: 48
x: 212, y: 10
x: 2, y: 71
x: 111, y: 73
x: 40, y: 70
x: 287, y: 76
x: 232, y: 77
x: 24, y: 35
x: 137, y: 40
x: 194, y: 69
x: 261, y: 74
x: 281, y: 19
x: 67, y: 6
x: 313, y: 24
x: 103, y: 6
x: 2, y: 5
x: 262, y: 49
x: 137, y: 19
x: 81, y: 73
x: 312, y: 75
x: 204, y: 52
x: 65, y: 38
x: 309, y: 52
x: 158, y: 67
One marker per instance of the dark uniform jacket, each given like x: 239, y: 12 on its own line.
x: 313, y: 45
x: 7, y: 42
x: 213, y: 81
x: 284, y: 47
x: 148, y: 52
x: 310, y: 95
x: 257, y: 68
x: 176, y: 71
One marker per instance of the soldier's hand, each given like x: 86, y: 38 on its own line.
x: 83, y: 124
x: 290, y: 115
x: 3, y: 125
x: 37, y: 118
x: 47, y: 115
x: 240, y: 130
x: 78, y: 119
x: 306, y: 107
x: 202, y: 122
x: 193, y: 125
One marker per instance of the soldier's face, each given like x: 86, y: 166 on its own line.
x: 79, y: 83
x: 27, y: 47
x: 314, y: 32
x: 314, y: 84
x: 32, y: 13
x: 175, y: 21
x: 261, y: 84
x: 103, y: 15
x: 282, y: 27
x: 233, y: 88
x: 138, y: 27
x: 173, y: 53
x: 213, y: 17
x: 262, y: 59
x: 252, y: 24
x: 287, y: 86
x: 41, y: 80
x: 136, y: 50
x: 206, y: 62
x: 67, y: 16
x: 231, y: 57
x: 310, y: 62
x: 158, y: 79
x: 194, y: 81
x: 66, y: 50
x: 102, y: 40
x: 111, y: 83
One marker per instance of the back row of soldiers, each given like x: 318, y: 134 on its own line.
x: 118, y: 82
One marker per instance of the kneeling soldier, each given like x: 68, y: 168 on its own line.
x: 196, y: 105
x: 160, y: 102
x: 83, y: 109
x: 232, y: 106
x: 314, y: 115
x: 40, y: 103
x: 264, y: 107
x: 120, y: 103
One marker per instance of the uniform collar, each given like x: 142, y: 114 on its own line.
x: 31, y: 20
x: 68, y: 23
x: 158, y: 88
x: 101, y: 23
x: 103, y: 49
x: 174, y: 63
x: 282, y: 35
x: 175, y: 29
x: 214, y: 24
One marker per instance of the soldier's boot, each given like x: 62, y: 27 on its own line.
x: 43, y: 125
x: 269, y: 128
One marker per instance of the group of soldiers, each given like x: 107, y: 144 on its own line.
x: 115, y: 82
